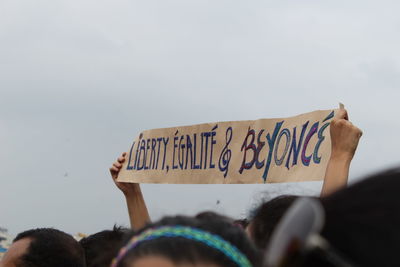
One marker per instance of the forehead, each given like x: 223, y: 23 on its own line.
x: 16, y: 250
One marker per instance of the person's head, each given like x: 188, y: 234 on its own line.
x: 97, y: 247
x: 207, y: 241
x: 362, y: 221
x: 358, y: 226
x: 44, y: 247
x: 266, y: 217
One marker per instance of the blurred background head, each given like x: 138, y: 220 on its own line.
x: 44, y: 247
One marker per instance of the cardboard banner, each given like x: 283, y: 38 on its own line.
x: 239, y: 152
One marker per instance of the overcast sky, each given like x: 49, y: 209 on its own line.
x: 80, y: 79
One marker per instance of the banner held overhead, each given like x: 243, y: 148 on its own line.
x: 238, y: 152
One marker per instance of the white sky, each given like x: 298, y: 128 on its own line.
x: 80, y: 79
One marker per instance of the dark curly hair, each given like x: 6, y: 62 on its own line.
x: 99, y: 245
x: 266, y: 217
x: 50, y: 247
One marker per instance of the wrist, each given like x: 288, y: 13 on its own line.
x: 133, y: 192
x: 344, y: 157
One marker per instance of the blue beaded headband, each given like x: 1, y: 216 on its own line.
x: 211, y: 240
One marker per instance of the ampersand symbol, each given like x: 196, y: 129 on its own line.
x: 226, y: 153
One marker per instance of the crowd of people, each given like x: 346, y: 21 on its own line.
x: 354, y: 225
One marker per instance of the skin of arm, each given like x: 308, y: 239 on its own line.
x: 344, y: 141
x: 137, y: 209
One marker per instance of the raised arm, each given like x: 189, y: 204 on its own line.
x: 137, y: 210
x: 344, y: 137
